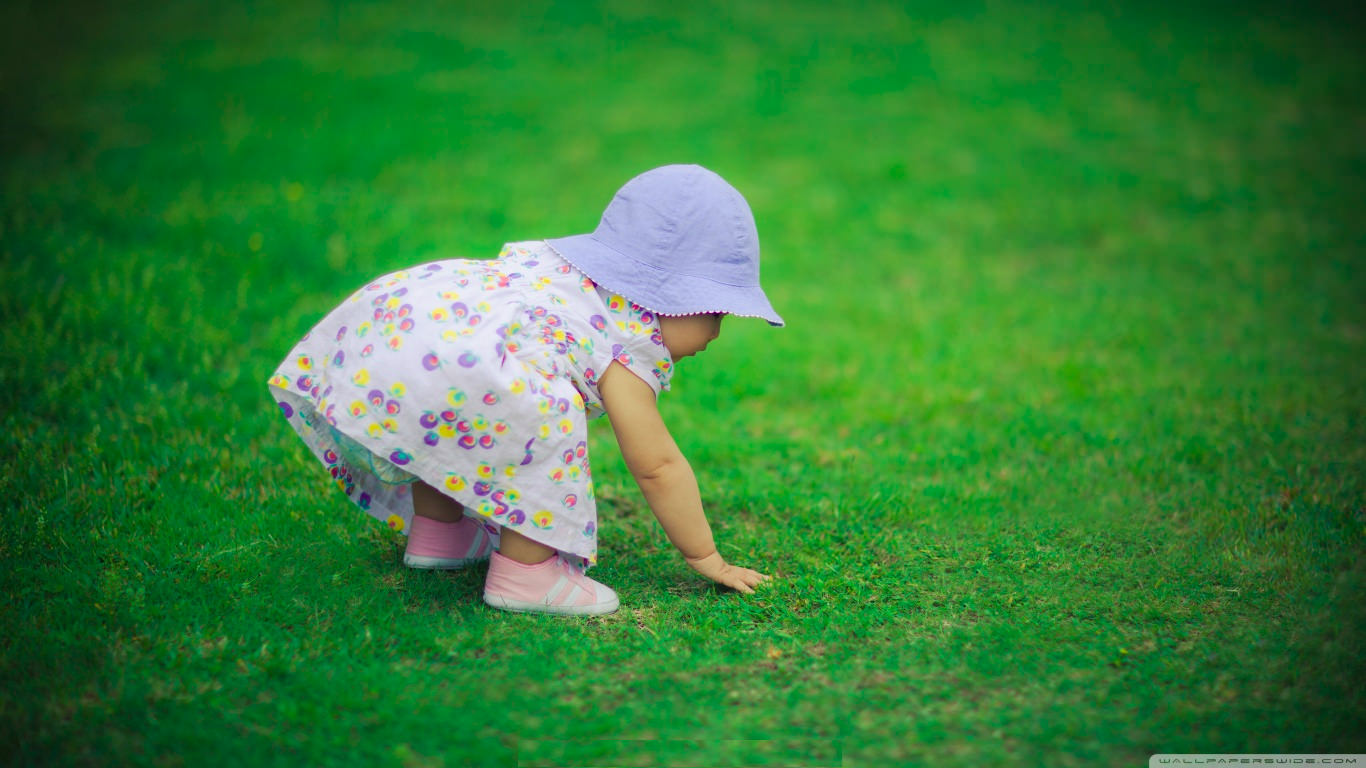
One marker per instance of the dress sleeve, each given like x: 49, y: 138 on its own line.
x: 636, y: 341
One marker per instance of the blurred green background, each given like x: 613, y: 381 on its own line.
x: 1060, y: 457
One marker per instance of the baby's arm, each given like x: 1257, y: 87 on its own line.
x: 665, y: 477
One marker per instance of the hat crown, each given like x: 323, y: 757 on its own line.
x: 677, y: 240
x: 684, y: 220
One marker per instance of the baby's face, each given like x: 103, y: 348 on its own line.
x: 686, y: 336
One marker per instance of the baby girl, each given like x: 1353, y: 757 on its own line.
x: 451, y: 400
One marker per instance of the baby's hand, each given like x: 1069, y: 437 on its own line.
x: 715, y: 567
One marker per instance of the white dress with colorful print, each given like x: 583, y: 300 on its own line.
x: 478, y: 377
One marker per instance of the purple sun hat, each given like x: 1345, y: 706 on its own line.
x: 677, y: 240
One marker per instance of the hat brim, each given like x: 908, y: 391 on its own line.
x: 664, y: 293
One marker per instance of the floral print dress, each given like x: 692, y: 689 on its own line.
x: 477, y: 377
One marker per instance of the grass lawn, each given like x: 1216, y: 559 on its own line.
x: 1061, y: 457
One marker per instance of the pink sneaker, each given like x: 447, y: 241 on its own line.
x: 553, y: 586
x: 444, y: 546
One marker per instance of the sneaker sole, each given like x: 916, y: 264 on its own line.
x: 440, y: 563
x: 522, y: 606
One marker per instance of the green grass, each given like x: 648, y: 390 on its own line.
x: 1062, y: 456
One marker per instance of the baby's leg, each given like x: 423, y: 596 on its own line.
x: 525, y: 576
x: 430, y: 503
x: 514, y: 545
x: 441, y: 536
